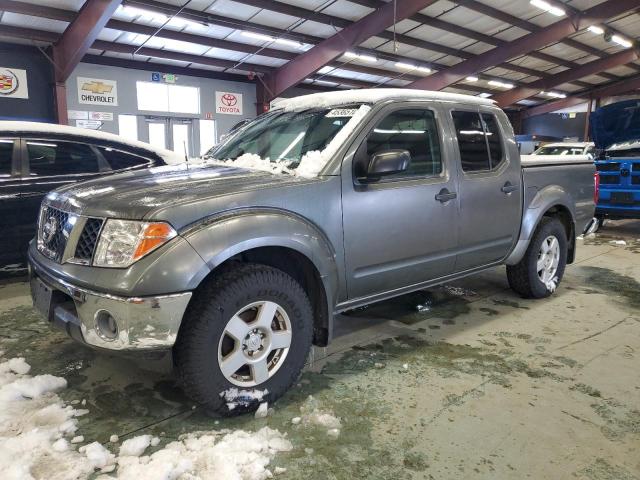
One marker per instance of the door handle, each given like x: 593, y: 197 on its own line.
x: 508, y: 188
x: 445, y: 195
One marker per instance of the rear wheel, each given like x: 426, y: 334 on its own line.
x: 244, y: 340
x: 541, y: 269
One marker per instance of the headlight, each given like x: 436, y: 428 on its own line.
x: 122, y: 242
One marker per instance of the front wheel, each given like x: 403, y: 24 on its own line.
x: 541, y: 269
x: 244, y: 340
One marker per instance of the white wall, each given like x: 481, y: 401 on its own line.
x: 127, y: 100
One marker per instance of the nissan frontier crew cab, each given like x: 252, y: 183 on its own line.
x: 325, y: 203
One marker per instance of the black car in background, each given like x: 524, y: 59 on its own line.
x: 36, y: 158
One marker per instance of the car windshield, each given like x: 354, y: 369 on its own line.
x: 559, y: 150
x: 299, y: 142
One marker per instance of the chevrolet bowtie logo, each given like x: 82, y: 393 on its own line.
x: 97, y: 87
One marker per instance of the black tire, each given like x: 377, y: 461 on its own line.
x: 523, y: 277
x: 196, y: 349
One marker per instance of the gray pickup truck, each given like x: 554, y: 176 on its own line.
x: 328, y: 202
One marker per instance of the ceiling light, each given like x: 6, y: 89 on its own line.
x: 554, y: 94
x: 484, y: 95
x: 623, y: 42
x: 141, y: 12
x: 596, y: 29
x: 258, y: 36
x: 471, y: 79
x: 359, y: 56
x: 267, y: 38
x: 290, y: 43
x: 547, y: 7
x: 496, y: 83
x: 410, y: 66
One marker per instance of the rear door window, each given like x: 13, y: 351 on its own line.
x: 6, y: 157
x: 119, y: 160
x: 54, y: 157
x: 479, y: 141
x: 494, y: 141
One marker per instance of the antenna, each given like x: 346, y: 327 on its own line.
x: 186, y: 155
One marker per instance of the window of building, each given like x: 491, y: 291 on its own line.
x: 6, y: 156
x: 52, y: 157
x: 412, y: 130
x: 207, y: 135
x: 128, y: 126
x: 160, y: 97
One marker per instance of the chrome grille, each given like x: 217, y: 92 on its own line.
x: 53, y: 232
x: 88, y: 240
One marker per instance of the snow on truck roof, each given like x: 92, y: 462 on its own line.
x: 51, y: 128
x: 373, y: 95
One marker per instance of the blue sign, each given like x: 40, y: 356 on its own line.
x: 156, y: 77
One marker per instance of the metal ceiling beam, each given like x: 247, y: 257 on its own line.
x: 497, y: 14
x: 523, y: 45
x: 480, y: 37
x: 80, y: 34
x: 626, y: 85
x: 291, y: 10
x: 68, y: 16
x: 74, y: 44
x: 328, y: 50
x: 512, y: 96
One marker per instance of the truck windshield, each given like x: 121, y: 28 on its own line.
x: 559, y: 150
x: 289, y: 142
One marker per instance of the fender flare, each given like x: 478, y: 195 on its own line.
x: 221, y: 237
x: 550, y: 197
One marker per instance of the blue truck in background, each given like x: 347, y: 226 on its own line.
x: 615, y: 129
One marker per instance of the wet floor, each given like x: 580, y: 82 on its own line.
x: 462, y: 381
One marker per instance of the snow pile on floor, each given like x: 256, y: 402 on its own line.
x: 235, y: 455
x: 36, y: 430
x: 33, y: 424
x: 312, y: 414
x: 244, y: 398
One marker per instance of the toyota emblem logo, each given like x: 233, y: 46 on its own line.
x: 229, y: 99
x: 49, y: 229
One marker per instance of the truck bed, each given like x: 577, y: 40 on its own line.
x: 573, y: 174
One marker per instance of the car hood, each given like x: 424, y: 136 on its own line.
x: 618, y: 123
x: 136, y: 195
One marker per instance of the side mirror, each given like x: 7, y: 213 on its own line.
x: 388, y: 163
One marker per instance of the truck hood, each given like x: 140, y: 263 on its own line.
x: 618, y: 123
x: 136, y: 195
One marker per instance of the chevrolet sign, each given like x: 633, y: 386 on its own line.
x: 94, y: 91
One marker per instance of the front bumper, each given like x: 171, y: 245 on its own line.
x: 143, y: 323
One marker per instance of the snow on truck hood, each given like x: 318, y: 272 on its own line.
x: 372, y: 95
x: 168, y: 156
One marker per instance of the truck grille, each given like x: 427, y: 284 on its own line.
x: 609, y: 179
x: 88, y: 240
x: 53, y: 232
x: 608, y: 167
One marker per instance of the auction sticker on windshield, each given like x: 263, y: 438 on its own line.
x: 342, y: 112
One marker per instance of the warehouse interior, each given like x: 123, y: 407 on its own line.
x: 465, y: 371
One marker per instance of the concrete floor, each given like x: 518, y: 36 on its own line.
x: 477, y: 383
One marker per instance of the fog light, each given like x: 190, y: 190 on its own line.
x: 106, y: 326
